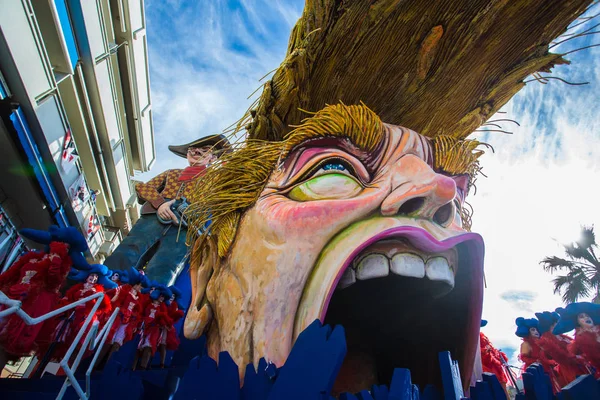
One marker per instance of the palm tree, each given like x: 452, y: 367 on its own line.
x: 582, y: 268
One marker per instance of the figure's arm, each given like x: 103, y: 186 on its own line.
x: 162, y: 317
x: 177, y: 315
x: 71, y: 295
x: 149, y: 191
x: 60, y: 263
x: 11, y: 275
x: 525, y: 355
x: 106, y: 306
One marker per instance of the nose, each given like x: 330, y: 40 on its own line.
x: 418, y: 191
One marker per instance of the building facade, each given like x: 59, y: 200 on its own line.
x: 76, y: 116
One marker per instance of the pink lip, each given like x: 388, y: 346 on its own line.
x: 424, y: 241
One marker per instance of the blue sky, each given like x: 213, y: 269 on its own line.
x: 206, y: 57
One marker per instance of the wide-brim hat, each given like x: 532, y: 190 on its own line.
x: 546, y: 320
x: 101, y: 270
x: 568, y: 316
x: 219, y: 143
x: 523, y: 326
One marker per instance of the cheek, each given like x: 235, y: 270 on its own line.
x: 319, y: 217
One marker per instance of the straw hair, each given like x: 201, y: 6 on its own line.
x: 234, y: 184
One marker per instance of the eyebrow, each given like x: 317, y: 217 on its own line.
x: 330, y: 142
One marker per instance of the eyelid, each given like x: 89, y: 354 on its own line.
x: 357, y: 169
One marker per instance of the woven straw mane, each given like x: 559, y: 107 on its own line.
x: 436, y: 67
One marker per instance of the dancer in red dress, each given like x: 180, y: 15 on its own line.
x: 155, y: 317
x: 89, y: 286
x: 130, y: 301
x: 531, y: 352
x: 556, y: 347
x: 492, y: 359
x: 585, y: 319
x: 169, y: 337
x: 35, y: 279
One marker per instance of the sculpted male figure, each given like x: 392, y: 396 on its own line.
x: 156, y: 242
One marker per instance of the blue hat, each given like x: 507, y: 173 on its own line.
x: 69, y: 235
x: 483, y: 323
x: 133, y: 276
x: 523, y: 326
x: 101, y: 270
x: 178, y: 298
x: 546, y: 319
x: 149, y: 285
x: 161, y: 289
x: 123, y: 276
x: 568, y: 316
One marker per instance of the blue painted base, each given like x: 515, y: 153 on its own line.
x: 309, y: 373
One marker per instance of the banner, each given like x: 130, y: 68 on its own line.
x: 69, y: 154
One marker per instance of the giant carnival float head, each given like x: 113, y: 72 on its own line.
x: 345, y: 201
x: 582, y: 315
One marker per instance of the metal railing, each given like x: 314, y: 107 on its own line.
x: 93, y: 339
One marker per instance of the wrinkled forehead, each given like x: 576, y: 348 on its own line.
x: 403, y: 141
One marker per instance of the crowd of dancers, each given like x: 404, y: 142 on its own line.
x: 40, y: 280
x: 564, y: 358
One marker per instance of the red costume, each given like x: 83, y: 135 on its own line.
x: 34, y: 279
x: 75, y: 293
x: 587, y: 344
x: 537, y: 354
x: 556, y: 347
x: 175, y: 314
x: 130, y: 303
x: 155, y: 317
x: 492, y: 359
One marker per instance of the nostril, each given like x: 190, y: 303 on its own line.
x: 412, y: 205
x: 443, y: 216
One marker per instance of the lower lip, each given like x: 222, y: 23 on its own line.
x: 421, y: 240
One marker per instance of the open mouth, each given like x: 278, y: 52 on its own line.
x: 403, y: 297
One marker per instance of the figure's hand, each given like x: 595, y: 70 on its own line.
x: 164, y: 211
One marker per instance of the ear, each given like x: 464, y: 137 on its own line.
x: 462, y: 185
x: 204, y: 260
x: 519, y: 321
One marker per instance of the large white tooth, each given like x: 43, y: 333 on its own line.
x: 373, y: 266
x: 407, y: 264
x: 347, y: 279
x: 437, y: 269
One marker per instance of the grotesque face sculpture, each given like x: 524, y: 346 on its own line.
x: 585, y: 321
x: 369, y: 237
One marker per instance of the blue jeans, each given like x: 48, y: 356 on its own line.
x: 168, y: 260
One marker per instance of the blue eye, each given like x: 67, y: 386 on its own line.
x: 334, y: 166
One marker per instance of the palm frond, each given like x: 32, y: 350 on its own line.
x: 587, y: 237
x: 578, y: 286
x: 553, y: 264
